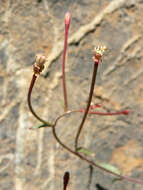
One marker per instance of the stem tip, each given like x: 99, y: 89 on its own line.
x: 67, y: 18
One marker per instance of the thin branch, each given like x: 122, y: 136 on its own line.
x: 124, y: 112
x: 87, y: 160
x: 34, y: 77
x: 88, y: 103
x: 67, y: 24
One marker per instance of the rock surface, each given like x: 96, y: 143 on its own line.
x: 32, y: 159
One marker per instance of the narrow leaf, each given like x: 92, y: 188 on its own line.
x: 109, y: 167
x: 85, y: 151
x: 39, y: 126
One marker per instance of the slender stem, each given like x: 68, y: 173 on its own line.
x: 107, y: 113
x: 67, y: 24
x: 89, y: 161
x: 104, y: 113
x: 124, y: 112
x: 34, y: 77
x: 88, y: 103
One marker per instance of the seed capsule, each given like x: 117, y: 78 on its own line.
x: 39, y: 63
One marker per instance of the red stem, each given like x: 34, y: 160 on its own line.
x: 124, y: 112
x: 34, y: 77
x: 67, y: 24
x: 87, y: 160
x: 88, y: 103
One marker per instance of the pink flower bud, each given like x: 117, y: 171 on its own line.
x: 67, y: 18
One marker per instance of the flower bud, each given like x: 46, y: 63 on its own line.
x: 67, y: 18
x: 98, y: 52
x: 39, y: 63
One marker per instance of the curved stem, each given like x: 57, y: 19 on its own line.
x: 124, y: 112
x: 34, y: 77
x: 89, y: 161
x: 88, y: 103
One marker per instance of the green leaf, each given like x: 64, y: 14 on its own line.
x: 116, y: 179
x: 39, y: 126
x: 109, y: 167
x: 85, y: 151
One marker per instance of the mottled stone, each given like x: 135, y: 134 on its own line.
x: 32, y: 159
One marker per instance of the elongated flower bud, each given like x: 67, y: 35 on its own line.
x: 66, y: 180
x: 67, y: 18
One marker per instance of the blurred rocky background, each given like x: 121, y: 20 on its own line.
x: 31, y: 159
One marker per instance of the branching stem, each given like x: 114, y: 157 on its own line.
x: 133, y: 180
